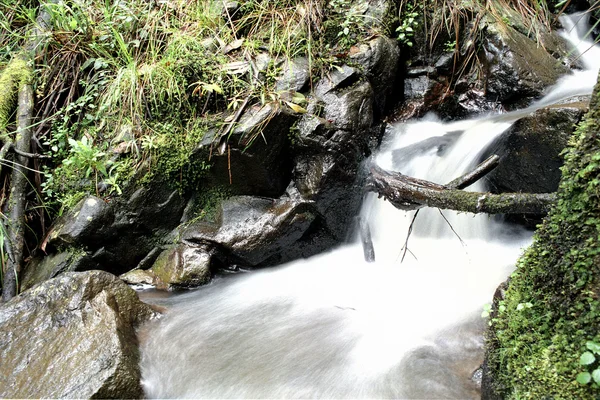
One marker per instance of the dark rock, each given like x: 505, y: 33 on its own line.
x: 72, y: 337
x: 83, y: 224
x: 329, y: 151
x: 295, y: 76
x: 250, y: 230
x: 351, y: 108
x: 518, y: 68
x: 530, y: 150
x: 255, y: 160
x: 41, y: 269
x: 379, y: 59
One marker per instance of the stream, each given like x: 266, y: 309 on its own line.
x: 334, y: 326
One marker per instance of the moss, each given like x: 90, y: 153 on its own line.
x: 534, y: 350
x: 15, y: 74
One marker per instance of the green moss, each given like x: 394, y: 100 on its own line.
x: 15, y: 74
x: 534, y: 352
x: 172, y: 155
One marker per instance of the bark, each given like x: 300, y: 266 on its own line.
x: 16, y: 202
x: 407, y: 193
x: 14, y: 238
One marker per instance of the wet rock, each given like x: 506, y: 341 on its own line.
x: 529, y: 152
x: 255, y: 160
x: 518, y: 68
x: 250, y: 230
x: 349, y: 108
x: 83, y: 224
x: 329, y: 151
x: 180, y: 267
x: 41, y: 269
x: 140, y: 277
x: 295, y: 76
x: 72, y: 337
x: 379, y: 59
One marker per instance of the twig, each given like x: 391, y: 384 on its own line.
x: 450, y: 225
x: 410, y: 228
x: 28, y: 155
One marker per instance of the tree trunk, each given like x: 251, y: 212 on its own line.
x: 14, y: 240
x: 16, y: 202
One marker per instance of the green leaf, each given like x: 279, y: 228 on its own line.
x: 296, y: 107
x: 584, y: 378
x: 596, y: 375
x: 586, y: 358
x: 593, y: 346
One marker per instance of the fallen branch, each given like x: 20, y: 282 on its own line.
x: 407, y: 193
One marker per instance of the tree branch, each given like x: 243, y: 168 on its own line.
x: 407, y: 193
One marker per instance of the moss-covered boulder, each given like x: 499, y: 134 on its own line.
x: 179, y: 267
x: 72, y: 337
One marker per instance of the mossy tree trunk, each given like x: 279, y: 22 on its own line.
x: 14, y: 235
x: 551, y: 307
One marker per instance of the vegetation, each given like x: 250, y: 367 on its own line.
x: 548, y: 348
x: 129, y: 88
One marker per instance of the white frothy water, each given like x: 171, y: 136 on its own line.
x: 334, y: 326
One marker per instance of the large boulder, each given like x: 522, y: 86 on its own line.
x: 254, y: 158
x: 530, y: 151
x: 380, y: 59
x: 72, y: 337
x: 519, y: 69
x: 250, y: 230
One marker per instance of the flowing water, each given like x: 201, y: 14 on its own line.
x: 334, y: 326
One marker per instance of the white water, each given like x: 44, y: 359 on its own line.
x: 334, y: 326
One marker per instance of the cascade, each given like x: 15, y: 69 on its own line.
x: 334, y: 326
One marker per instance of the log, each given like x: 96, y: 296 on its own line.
x: 407, y: 193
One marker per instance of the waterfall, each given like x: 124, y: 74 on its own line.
x: 334, y: 326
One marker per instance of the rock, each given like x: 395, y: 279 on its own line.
x: 141, y: 219
x: 257, y: 160
x: 530, y: 151
x: 330, y: 149
x: 181, y: 267
x: 83, y: 224
x: 348, y: 108
x: 514, y: 68
x: 140, y: 277
x: 295, y: 76
x: 72, y: 337
x: 518, y: 68
x: 41, y: 269
x: 379, y: 59
x: 380, y: 14
x: 250, y: 230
